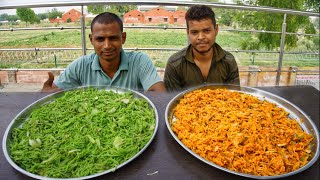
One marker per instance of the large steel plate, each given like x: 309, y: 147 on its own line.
x: 24, y: 114
x: 294, y: 113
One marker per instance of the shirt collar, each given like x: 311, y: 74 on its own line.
x: 124, y: 62
x: 217, y: 55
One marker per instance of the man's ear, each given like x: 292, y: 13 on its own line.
x: 217, y: 29
x: 124, y: 37
x: 90, y: 37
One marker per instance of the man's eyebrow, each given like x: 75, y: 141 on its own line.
x: 98, y: 36
x: 208, y: 28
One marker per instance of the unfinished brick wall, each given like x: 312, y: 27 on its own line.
x: 155, y: 16
x: 253, y: 79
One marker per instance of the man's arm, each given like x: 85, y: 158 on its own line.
x: 158, y: 87
x: 49, y: 86
x: 148, y: 75
x: 172, y: 79
x: 234, y: 74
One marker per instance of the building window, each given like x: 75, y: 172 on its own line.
x: 150, y: 19
x: 175, y: 20
x: 165, y: 19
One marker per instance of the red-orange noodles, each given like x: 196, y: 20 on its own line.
x: 240, y: 132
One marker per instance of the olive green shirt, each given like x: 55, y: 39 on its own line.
x: 182, y: 72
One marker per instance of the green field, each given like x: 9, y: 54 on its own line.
x: 142, y: 38
x: 136, y: 38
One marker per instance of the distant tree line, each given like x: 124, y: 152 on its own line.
x: 10, y: 18
x: 28, y: 15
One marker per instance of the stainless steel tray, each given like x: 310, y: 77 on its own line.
x: 294, y: 113
x: 24, y: 114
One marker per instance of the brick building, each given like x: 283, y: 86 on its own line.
x: 73, y: 14
x: 133, y: 16
x: 56, y: 20
x: 179, y: 17
x: 156, y: 15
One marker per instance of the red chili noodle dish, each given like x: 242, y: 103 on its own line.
x: 239, y: 132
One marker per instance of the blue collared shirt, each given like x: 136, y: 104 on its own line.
x: 136, y: 71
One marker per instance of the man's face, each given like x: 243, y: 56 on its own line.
x: 107, y: 40
x: 202, y: 35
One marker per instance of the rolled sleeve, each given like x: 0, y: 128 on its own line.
x: 147, y: 72
x: 68, y: 79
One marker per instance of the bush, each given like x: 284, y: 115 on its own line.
x: 89, y: 22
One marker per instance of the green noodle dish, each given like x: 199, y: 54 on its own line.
x: 82, y: 133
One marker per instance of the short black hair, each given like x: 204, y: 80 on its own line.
x: 107, y: 18
x: 200, y: 12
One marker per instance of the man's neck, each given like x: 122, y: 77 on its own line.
x: 203, y: 61
x: 202, y: 57
x: 110, y: 67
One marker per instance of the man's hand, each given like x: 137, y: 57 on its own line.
x: 48, y: 86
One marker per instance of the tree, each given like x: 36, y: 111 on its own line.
x: 312, y: 5
x: 27, y: 15
x: 54, y: 13
x: 119, y: 10
x: 96, y: 9
x: 12, y: 18
x: 42, y: 16
x: 273, y: 22
x: 225, y: 16
x: 4, y: 17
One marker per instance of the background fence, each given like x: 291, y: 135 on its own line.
x: 39, y: 57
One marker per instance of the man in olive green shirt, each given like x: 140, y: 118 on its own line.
x: 203, y: 61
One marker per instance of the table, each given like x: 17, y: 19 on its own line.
x: 164, y: 158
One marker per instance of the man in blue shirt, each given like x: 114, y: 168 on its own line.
x: 110, y: 65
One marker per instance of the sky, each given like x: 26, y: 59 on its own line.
x: 41, y: 10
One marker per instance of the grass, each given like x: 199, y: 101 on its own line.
x: 144, y: 38
x: 141, y: 38
x: 44, y: 39
x: 136, y: 38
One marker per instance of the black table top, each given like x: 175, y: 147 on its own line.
x: 164, y: 158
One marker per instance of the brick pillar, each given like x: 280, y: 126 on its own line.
x: 12, y: 76
x: 253, y: 76
x: 292, y: 76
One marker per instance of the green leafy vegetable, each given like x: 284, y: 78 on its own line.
x: 85, y: 132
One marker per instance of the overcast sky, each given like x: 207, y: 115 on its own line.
x: 41, y: 10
